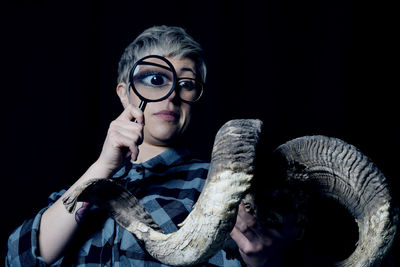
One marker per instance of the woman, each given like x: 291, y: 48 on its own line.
x: 142, y: 149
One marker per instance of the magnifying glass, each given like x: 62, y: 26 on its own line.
x: 152, y: 78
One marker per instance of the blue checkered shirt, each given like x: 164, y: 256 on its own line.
x: 167, y: 185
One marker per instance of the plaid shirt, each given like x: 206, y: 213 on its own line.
x: 167, y: 185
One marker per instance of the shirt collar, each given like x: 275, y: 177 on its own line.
x: 170, y: 157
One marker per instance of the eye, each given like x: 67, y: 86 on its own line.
x: 187, y: 84
x: 153, y: 79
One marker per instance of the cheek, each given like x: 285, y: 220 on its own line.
x: 186, y: 116
x: 134, y: 99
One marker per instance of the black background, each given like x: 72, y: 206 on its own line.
x: 303, y: 67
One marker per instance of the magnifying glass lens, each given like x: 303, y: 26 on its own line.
x: 153, y: 79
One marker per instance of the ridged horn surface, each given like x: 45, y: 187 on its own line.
x: 207, y: 227
x: 340, y: 171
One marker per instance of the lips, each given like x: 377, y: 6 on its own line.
x: 167, y: 115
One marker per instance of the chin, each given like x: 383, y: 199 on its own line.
x: 163, y: 138
x: 164, y: 142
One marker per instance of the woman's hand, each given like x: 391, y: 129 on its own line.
x: 57, y: 226
x: 262, y: 247
x: 123, y: 138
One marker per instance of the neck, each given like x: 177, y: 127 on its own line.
x: 148, y: 151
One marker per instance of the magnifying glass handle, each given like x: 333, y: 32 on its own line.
x: 142, y: 105
x: 125, y: 150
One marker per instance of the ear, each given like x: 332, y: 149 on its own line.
x: 122, y: 93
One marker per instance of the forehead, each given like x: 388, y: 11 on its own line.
x: 180, y: 64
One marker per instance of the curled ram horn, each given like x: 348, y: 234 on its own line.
x: 207, y: 227
x: 330, y: 166
x: 340, y: 171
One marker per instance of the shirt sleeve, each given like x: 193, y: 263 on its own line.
x: 22, y: 246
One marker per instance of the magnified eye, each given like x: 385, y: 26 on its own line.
x: 153, y: 79
x: 156, y: 79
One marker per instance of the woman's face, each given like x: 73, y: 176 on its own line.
x: 167, y: 119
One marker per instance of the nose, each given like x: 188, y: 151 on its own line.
x: 173, y: 97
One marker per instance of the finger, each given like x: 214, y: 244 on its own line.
x: 245, y: 245
x: 134, y: 152
x: 128, y: 129
x: 247, y: 224
x: 240, y: 239
x: 240, y: 223
x: 119, y: 140
x: 131, y: 112
x: 124, y: 142
x: 246, y: 217
x: 129, y: 136
x: 243, y: 227
x: 245, y: 231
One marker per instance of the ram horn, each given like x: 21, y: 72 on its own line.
x: 340, y: 171
x: 208, y: 225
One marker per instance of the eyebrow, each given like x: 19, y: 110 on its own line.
x: 188, y: 69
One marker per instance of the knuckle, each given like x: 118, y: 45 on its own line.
x: 134, y: 138
x: 258, y: 247
x: 113, y: 125
x: 115, y: 144
x: 111, y: 134
x: 252, y: 222
x: 139, y: 126
x: 242, y: 227
x: 132, y: 109
x: 247, y: 249
x: 252, y: 248
x: 133, y: 148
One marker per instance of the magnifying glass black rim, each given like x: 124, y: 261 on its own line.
x: 171, y: 68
